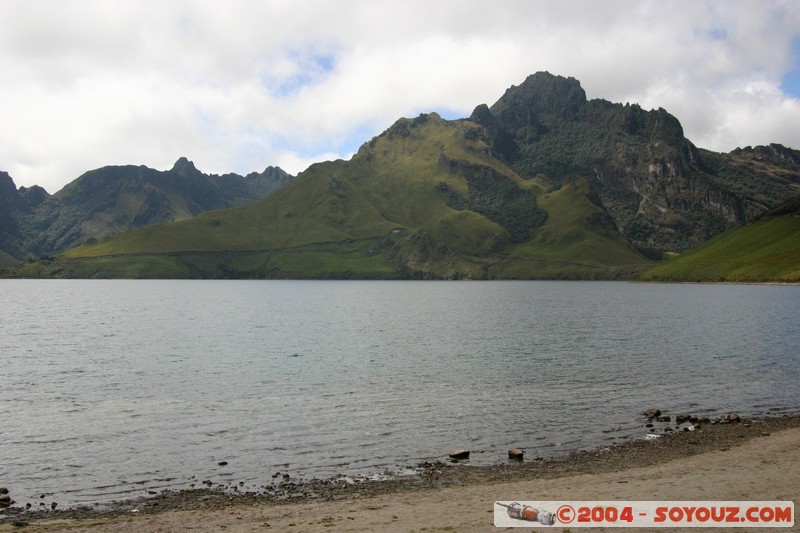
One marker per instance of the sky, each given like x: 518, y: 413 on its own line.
x: 239, y: 85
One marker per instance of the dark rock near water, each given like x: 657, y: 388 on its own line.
x: 5, y: 498
x: 733, y: 417
x: 682, y: 417
x: 652, y: 413
x: 664, y: 418
x: 459, y: 454
x: 515, y: 453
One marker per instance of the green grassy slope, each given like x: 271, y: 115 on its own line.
x: 767, y: 250
x: 424, y: 199
x: 579, y: 240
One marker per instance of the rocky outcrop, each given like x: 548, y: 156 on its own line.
x: 662, y: 192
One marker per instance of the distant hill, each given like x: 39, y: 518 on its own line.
x: 767, y: 249
x: 115, y: 199
x: 542, y: 184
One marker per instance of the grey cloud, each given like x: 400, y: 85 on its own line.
x: 239, y: 86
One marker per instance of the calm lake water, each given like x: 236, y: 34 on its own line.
x: 111, y: 389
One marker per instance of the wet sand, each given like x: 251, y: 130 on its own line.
x: 753, y: 460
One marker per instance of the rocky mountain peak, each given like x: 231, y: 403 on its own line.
x: 7, y: 186
x: 482, y: 115
x: 541, y: 94
x: 183, y: 166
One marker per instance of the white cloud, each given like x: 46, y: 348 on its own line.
x: 238, y: 86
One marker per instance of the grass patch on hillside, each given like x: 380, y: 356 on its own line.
x: 759, y: 252
x: 349, y: 259
x: 577, y: 238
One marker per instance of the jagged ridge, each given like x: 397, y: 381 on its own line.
x: 115, y: 199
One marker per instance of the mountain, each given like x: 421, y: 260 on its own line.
x: 542, y: 184
x: 115, y: 199
x: 767, y: 249
x: 663, y: 193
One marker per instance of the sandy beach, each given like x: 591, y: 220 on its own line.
x: 755, y: 460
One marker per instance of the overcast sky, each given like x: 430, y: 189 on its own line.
x: 237, y: 85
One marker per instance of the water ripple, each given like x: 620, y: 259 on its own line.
x: 112, y: 389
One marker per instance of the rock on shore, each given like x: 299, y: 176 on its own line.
x: 459, y: 454
x: 5, y: 498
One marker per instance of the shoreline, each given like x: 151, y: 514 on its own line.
x: 433, y: 478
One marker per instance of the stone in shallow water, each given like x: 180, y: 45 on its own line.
x: 515, y: 453
x: 459, y: 454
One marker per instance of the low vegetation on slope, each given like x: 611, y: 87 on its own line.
x: 762, y: 251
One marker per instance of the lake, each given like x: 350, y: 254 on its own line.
x: 111, y: 389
